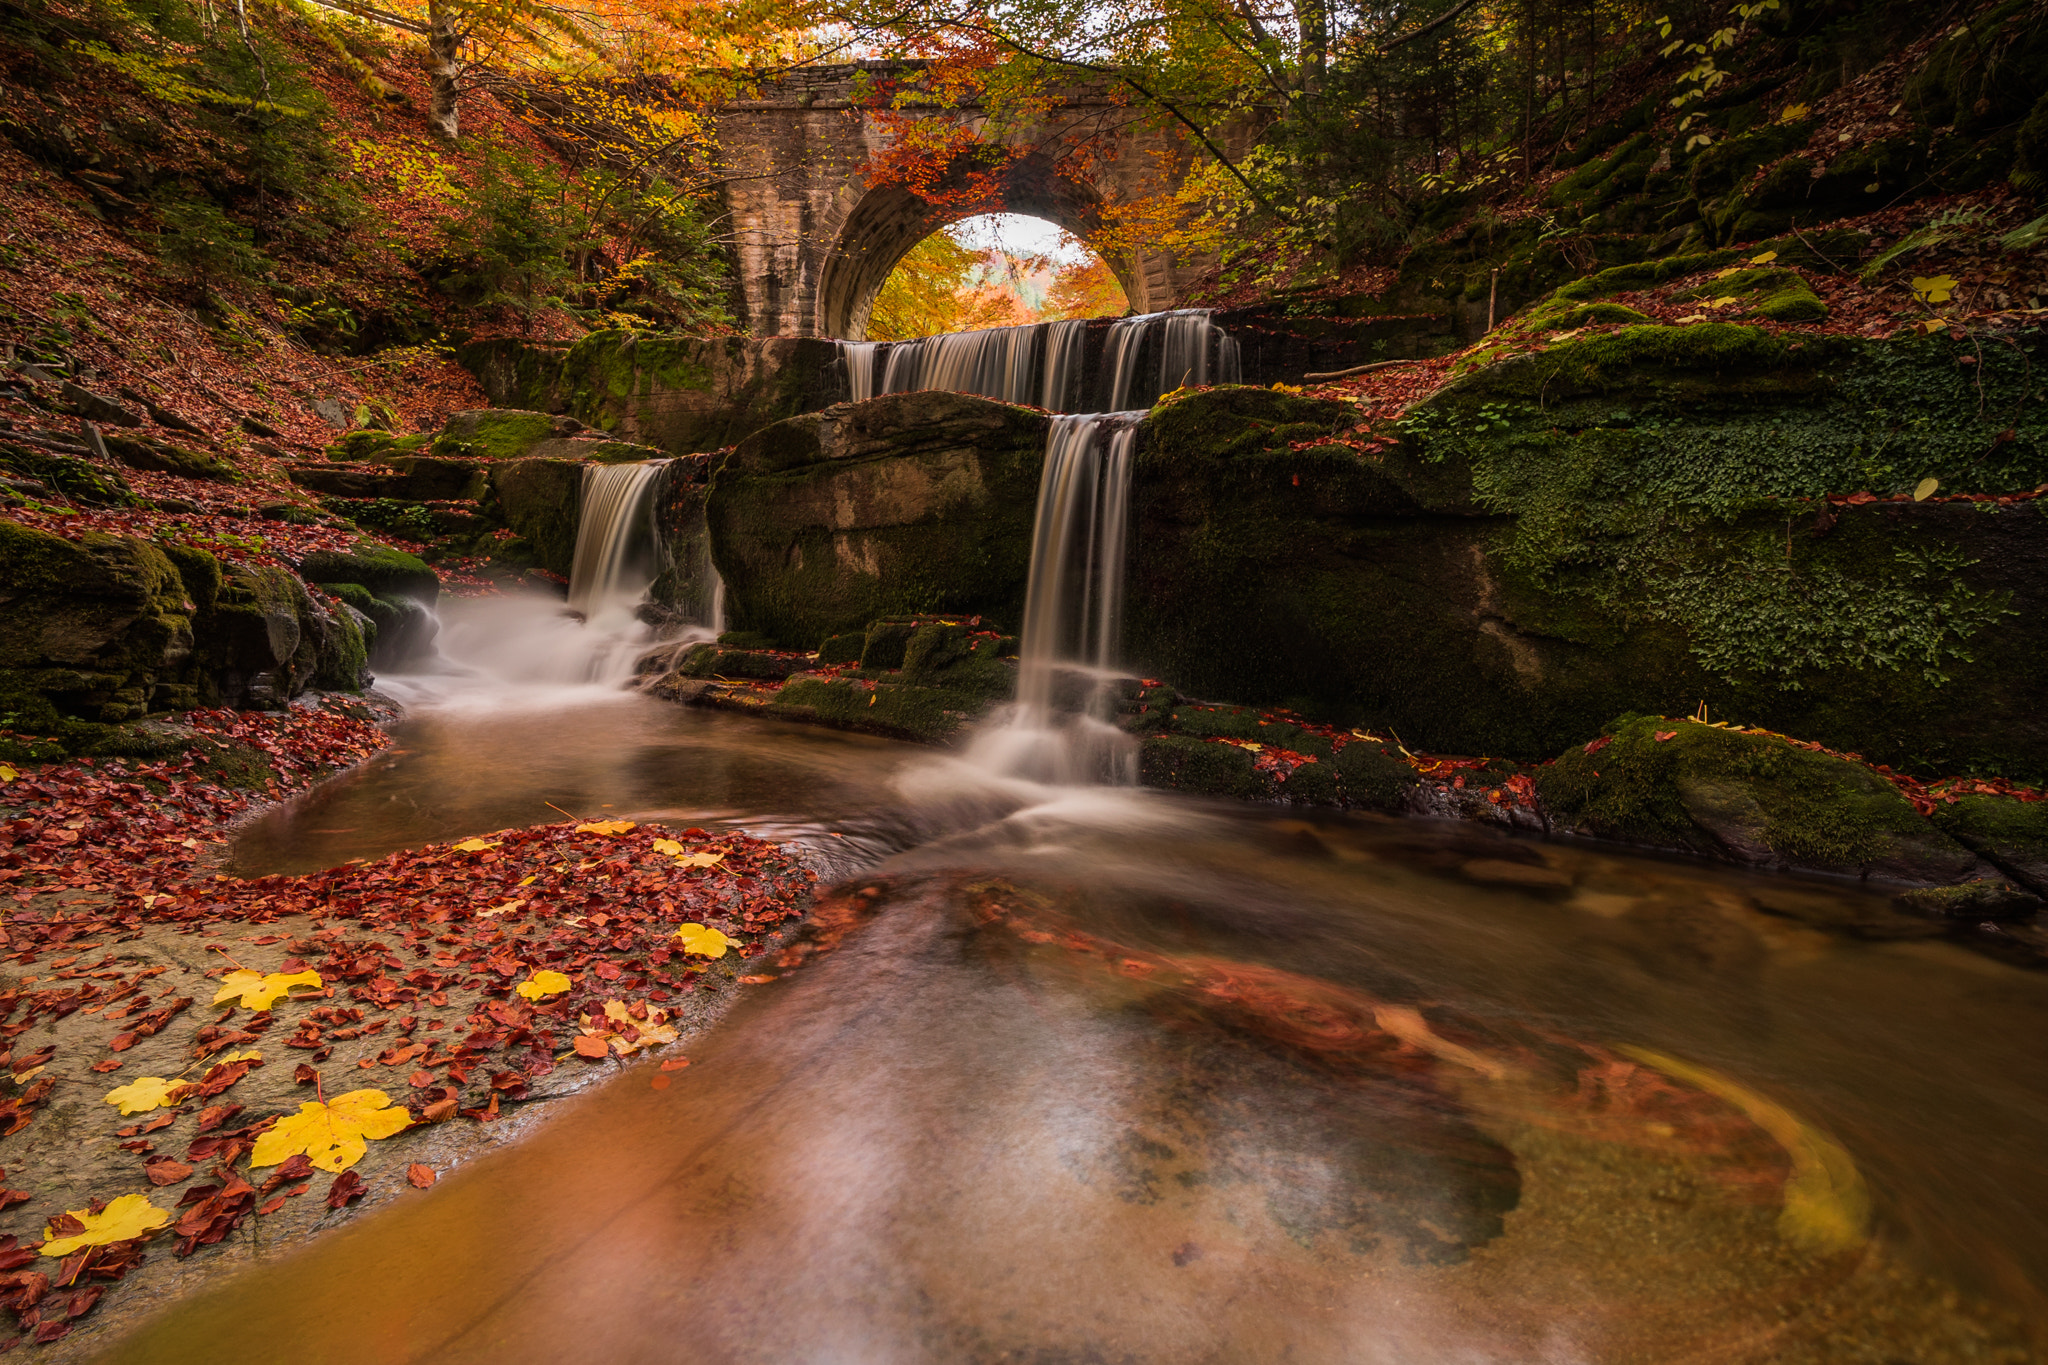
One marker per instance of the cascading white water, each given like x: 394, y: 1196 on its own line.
x: 1042, y: 363
x: 617, y: 551
x: 1060, y: 729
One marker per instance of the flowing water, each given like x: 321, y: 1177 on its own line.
x: 1043, y: 363
x: 1080, y: 1072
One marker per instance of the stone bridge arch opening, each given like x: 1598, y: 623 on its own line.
x: 885, y: 221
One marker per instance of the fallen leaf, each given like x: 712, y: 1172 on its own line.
x: 475, y: 845
x: 131, y: 1215
x: 164, y: 1170
x: 591, y: 1046
x: 606, y: 827
x: 142, y: 1095
x: 260, y: 992
x: 334, y: 1135
x: 669, y: 846
x: 1663, y: 735
x: 543, y: 984
x: 418, y: 1176
x: 1934, y: 288
x: 440, y: 1111
x: 702, y: 942
x: 347, y: 1187
x: 304, y: 1075
x: 1925, y: 489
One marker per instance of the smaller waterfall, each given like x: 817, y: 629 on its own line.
x: 617, y: 550
x: 1061, y: 729
x: 1044, y: 363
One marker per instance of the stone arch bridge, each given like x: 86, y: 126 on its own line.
x: 815, y: 240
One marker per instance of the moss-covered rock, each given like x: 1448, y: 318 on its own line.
x: 361, y: 447
x: 342, y: 652
x: 1985, y: 898
x: 1747, y: 798
x: 899, y: 710
x: 679, y: 394
x: 542, y: 500
x: 842, y: 649
x: 918, y: 502
x: 140, y: 452
x: 85, y: 481
x: 493, y: 433
x: 261, y: 639
x: 2010, y: 835
x: 385, y: 570
x: 1768, y: 291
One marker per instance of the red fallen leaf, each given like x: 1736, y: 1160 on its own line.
x: 304, y: 1075
x: 83, y: 1301
x: 297, y: 1166
x: 13, y: 1257
x: 420, y: 1080
x: 52, y: 1331
x: 610, y: 971
x: 440, y: 1111
x: 215, y: 1115
x: 273, y: 1206
x: 347, y: 1187
x: 164, y: 1119
x: 9, y: 1198
x: 675, y: 1064
x: 755, y: 980
x: 1595, y: 746
x: 593, y: 1048
x: 1663, y: 735
x: 166, y: 1170
x: 419, y: 1177
x: 212, y: 1219
x: 121, y: 1042
x: 111, y: 1064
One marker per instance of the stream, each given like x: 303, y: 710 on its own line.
x: 1104, y: 1074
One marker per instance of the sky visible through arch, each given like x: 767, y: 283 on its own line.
x: 993, y: 270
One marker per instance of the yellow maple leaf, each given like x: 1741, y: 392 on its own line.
x: 333, y: 1135
x: 667, y: 846
x: 700, y: 859
x: 260, y: 992
x: 127, y: 1217
x: 1763, y: 258
x: 702, y: 941
x: 7, y: 774
x: 475, y: 845
x: 606, y: 827
x: 1792, y: 113
x: 543, y: 984
x: 143, y: 1094
x: 252, y: 1055
x: 1934, y: 288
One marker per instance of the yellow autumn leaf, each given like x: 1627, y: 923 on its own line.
x: 476, y: 845
x: 260, y: 992
x: 543, y: 984
x: 333, y: 1135
x: 7, y: 774
x: 529, y: 880
x: 1792, y: 113
x: 252, y: 1055
x: 700, y: 859
x: 1763, y: 258
x: 1925, y: 489
x: 703, y: 942
x: 668, y: 846
x: 124, y: 1218
x: 606, y: 827
x: 143, y: 1094
x: 1934, y: 288
x: 1725, y: 301
x: 654, y: 1029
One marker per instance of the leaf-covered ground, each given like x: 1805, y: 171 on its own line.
x: 185, y: 1054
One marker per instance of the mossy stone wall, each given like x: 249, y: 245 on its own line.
x: 911, y: 503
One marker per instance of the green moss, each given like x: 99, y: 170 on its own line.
x: 1778, y: 294
x: 1372, y: 779
x: 908, y: 712
x: 365, y: 446
x: 1183, y: 763
x: 1752, y: 797
x: 384, y: 569
x: 2012, y: 835
x: 493, y: 433
x: 163, y: 457
x: 198, y: 570
x: 842, y: 649
x: 80, y: 480
x: 343, y: 658
x: 1971, y: 901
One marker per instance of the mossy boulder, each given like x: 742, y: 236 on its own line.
x: 341, y: 647
x: 360, y: 447
x: 261, y: 638
x: 1748, y: 798
x: 140, y: 452
x: 2011, y: 835
x: 493, y: 433
x: 541, y: 499
x: 1768, y: 291
x: 911, y: 503
x: 95, y: 630
x: 899, y: 710
x: 385, y: 570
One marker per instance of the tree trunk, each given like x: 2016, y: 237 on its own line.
x: 444, y: 42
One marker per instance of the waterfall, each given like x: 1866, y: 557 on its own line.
x: 617, y: 550
x: 1045, y: 363
x: 1189, y: 344
x: 1061, y: 728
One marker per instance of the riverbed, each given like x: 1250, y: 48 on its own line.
x: 1107, y: 1074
